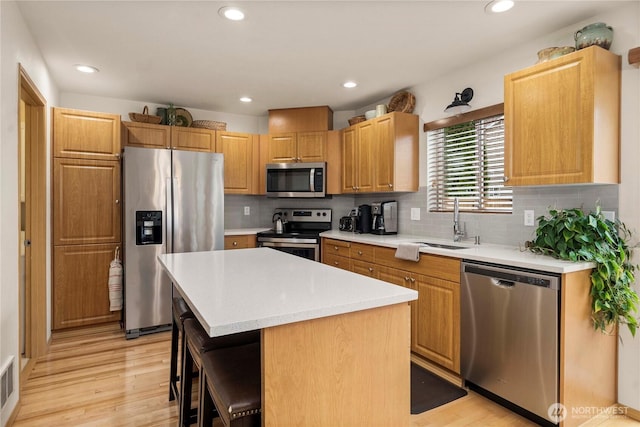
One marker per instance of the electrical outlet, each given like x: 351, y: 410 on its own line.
x: 529, y: 218
x: 415, y: 214
x: 610, y: 215
x: 247, y: 210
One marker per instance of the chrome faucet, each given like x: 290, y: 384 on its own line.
x: 458, y: 232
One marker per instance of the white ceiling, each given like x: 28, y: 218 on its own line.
x: 284, y: 54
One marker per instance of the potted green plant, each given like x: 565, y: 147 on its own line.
x: 570, y: 234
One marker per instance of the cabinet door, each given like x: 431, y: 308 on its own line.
x: 86, y: 201
x: 365, y: 146
x: 239, y: 157
x: 385, y: 149
x: 80, y: 285
x: 436, y: 335
x: 365, y: 268
x: 193, y: 139
x: 559, y: 116
x: 312, y: 146
x: 146, y: 135
x: 349, y: 169
x: 282, y: 148
x: 85, y: 134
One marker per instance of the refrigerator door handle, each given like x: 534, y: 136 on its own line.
x: 169, y: 219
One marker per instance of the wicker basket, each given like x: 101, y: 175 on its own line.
x: 145, y: 117
x: 402, y: 102
x: 356, y: 119
x: 209, y: 124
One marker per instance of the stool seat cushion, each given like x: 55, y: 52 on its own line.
x: 233, y: 380
x: 181, y: 310
x: 200, y: 341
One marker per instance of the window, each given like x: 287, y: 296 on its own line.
x: 466, y: 160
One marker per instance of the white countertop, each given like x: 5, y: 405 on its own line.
x: 247, y: 289
x: 243, y: 231
x: 497, y: 254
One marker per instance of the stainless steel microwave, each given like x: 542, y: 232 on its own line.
x: 296, y: 179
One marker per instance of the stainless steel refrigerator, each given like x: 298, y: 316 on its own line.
x: 174, y: 202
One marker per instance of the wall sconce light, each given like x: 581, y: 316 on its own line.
x: 460, y: 102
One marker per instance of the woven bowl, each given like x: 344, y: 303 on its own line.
x: 145, y: 117
x: 402, y: 102
x: 209, y: 124
x: 356, y: 119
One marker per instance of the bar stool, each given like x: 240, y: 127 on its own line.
x: 181, y: 312
x: 197, y: 343
x: 230, y: 386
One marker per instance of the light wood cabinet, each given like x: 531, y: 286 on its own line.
x: 381, y: 155
x: 86, y: 215
x: 135, y: 134
x: 73, y: 129
x: 240, y: 241
x: 300, y: 119
x: 297, y: 147
x: 562, y: 120
x: 435, y: 315
x: 241, y: 160
x: 86, y: 201
x: 80, y: 291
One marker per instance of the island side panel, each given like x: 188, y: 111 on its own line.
x: 351, y: 369
x: 587, y: 357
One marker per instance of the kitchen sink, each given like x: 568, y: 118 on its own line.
x: 442, y: 245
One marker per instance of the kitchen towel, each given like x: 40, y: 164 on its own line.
x: 410, y: 251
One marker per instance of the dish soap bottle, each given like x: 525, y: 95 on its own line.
x: 171, y: 115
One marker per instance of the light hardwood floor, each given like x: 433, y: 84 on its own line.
x: 95, y: 377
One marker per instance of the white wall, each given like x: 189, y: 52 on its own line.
x: 16, y: 46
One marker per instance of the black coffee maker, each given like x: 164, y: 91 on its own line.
x: 364, y: 219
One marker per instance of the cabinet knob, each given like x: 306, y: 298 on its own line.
x: 353, y: 187
x: 413, y: 280
x: 235, y: 243
x: 336, y: 262
x: 117, y: 155
x: 371, y: 269
x: 406, y: 278
x: 360, y: 253
x: 117, y: 201
x: 335, y: 248
x: 390, y: 185
x: 506, y: 178
x: 299, y: 159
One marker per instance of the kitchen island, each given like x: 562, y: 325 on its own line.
x: 335, y: 345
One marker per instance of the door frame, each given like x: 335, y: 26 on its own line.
x: 35, y: 216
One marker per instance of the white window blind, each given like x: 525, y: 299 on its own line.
x: 467, y: 161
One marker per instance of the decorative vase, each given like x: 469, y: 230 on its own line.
x: 171, y: 115
x: 599, y: 34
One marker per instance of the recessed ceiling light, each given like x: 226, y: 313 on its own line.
x: 86, y: 68
x: 349, y: 84
x: 232, y: 13
x: 246, y: 99
x: 498, y: 6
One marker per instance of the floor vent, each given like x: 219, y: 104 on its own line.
x: 6, y: 382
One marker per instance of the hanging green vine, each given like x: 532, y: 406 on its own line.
x: 573, y: 235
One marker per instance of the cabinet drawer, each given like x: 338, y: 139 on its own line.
x: 240, y: 242
x: 336, y: 247
x: 430, y: 265
x: 364, y: 268
x: 337, y: 261
x: 359, y: 251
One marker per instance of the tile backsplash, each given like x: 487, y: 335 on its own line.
x: 505, y: 229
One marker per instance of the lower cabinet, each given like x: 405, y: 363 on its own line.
x: 240, y: 241
x: 435, y: 315
x: 80, y: 285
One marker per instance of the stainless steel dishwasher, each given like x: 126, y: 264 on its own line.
x: 509, y: 335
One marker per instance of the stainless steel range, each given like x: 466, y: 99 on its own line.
x: 299, y: 232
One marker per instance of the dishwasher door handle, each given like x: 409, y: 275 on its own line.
x: 504, y: 284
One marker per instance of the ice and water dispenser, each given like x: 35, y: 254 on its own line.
x: 148, y: 227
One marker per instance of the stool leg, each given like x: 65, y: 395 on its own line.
x: 205, y: 407
x: 186, y: 385
x: 173, y: 369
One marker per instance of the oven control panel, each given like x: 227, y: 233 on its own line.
x: 305, y: 215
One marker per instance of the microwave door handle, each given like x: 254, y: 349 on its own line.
x: 312, y: 175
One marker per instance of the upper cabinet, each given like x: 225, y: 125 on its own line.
x: 241, y: 158
x: 300, y: 119
x: 293, y: 147
x: 85, y: 134
x: 562, y: 120
x: 135, y: 134
x: 381, y: 155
